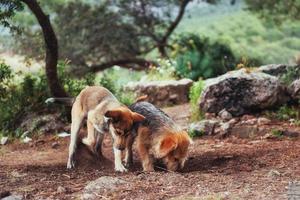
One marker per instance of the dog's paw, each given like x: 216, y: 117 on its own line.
x: 86, y: 141
x: 128, y: 164
x: 120, y: 168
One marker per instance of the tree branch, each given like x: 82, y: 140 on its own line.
x: 163, y: 42
x: 130, y: 63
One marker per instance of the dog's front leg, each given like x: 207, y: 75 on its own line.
x: 119, y: 167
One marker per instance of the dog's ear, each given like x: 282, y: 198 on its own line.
x: 136, y: 117
x: 115, y: 114
x: 166, y: 145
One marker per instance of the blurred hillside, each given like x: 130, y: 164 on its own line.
x: 244, y: 32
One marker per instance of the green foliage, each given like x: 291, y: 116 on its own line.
x: 277, y: 133
x: 285, y: 113
x: 26, y: 93
x: 195, y: 93
x: 276, y: 10
x: 291, y: 75
x: 109, y: 82
x: 165, y: 71
x: 19, y: 97
x: 195, y: 133
x: 261, y: 41
x: 198, y: 57
x: 71, y: 84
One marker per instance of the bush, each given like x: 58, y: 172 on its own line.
x: 165, y: 71
x: 108, y: 82
x: 194, y: 95
x: 198, y: 57
x: 19, y: 98
x: 26, y: 93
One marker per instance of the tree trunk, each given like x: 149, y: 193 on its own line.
x: 51, y: 48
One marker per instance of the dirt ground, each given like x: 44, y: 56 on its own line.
x: 230, y: 168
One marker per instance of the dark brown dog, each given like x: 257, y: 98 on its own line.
x: 158, y: 137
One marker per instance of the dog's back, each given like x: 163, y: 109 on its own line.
x: 92, y: 96
x: 155, y: 118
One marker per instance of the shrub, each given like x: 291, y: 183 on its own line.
x: 198, y: 57
x: 194, y: 95
x: 108, y: 82
x: 291, y: 75
x: 165, y: 71
x: 28, y: 92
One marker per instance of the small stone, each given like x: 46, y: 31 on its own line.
x: 250, y: 121
x: 63, y: 134
x: 26, y: 139
x: 273, y: 173
x: 4, y: 140
x: 13, y: 197
x: 225, y: 115
x: 263, y: 121
x: 210, y: 115
x: 54, y: 145
x: 25, y: 134
x: 61, y: 189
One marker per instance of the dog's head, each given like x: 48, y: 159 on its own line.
x: 122, y: 119
x: 173, y: 149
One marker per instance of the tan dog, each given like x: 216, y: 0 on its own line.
x: 104, y: 113
x: 158, y: 137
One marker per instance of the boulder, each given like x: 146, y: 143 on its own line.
x: 241, y: 92
x: 278, y: 70
x: 162, y: 93
x: 96, y: 188
x: 294, y: 90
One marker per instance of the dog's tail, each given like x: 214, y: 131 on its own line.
x: 141, y: 98
x: 61, y: 100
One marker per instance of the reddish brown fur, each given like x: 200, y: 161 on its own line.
x: 169, y: 145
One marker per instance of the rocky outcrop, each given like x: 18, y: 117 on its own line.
x: 241, y: 92
x: 162, y: 93
x: 294, y: 90
x: 279, y: 70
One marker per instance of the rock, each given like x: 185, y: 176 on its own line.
x: 61, y: 189
x: 243, y: 131
x: 278, y: 70
x: 4, y: 140
x: 162, y: 93
x: 42, y: 123
x: 240, y: 92
x: 288, y: 133
x: 26, y: 139
x: 204, y: 127
x: 13, y: 197
x: 98, y: 186
x: 263, y: 121
x: 294, y: 90
x: 225, y: 115
x: 273, y: 173
x: 249, y: 121
x: 63, y: 134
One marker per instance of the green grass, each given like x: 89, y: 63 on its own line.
x: 245, y: 33
x: 194, y: 95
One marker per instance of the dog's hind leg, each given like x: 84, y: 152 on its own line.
x: 77, y: 119
x: 99, y: 140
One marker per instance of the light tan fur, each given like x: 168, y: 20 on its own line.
x: 104, y: 113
